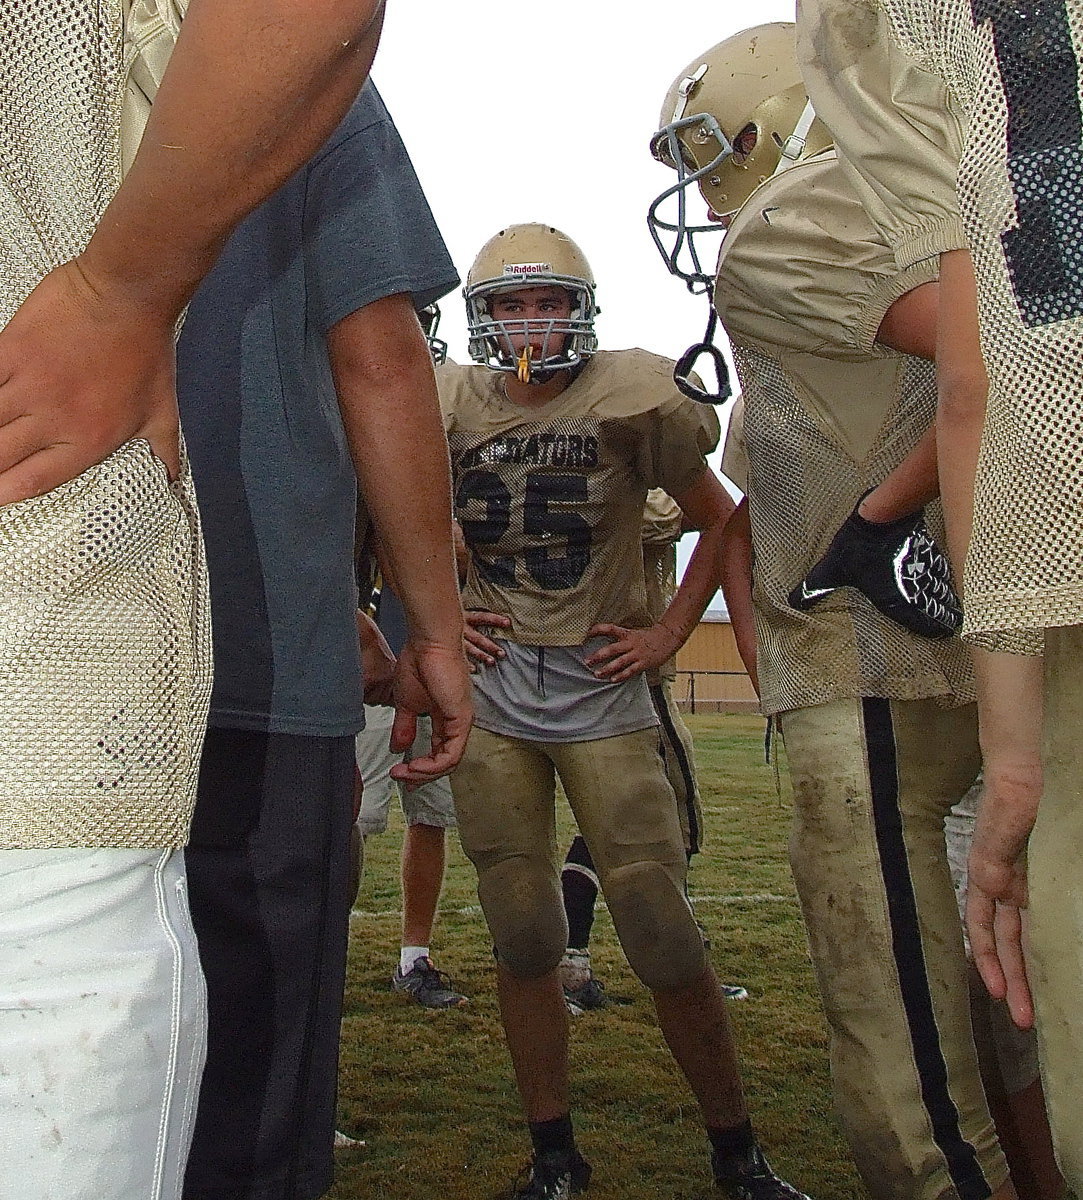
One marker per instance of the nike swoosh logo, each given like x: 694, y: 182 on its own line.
x: 808, y: 593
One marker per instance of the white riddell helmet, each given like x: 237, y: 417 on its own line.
x: 528, y: 256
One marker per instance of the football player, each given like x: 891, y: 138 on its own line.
x: 554, y: 446
x: 991, y: 164
x: 663, y: 524
x: 831, y: 341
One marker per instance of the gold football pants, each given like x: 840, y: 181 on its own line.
x: 873, y: 780
x: 1055, y: 874
x: 505, y: 791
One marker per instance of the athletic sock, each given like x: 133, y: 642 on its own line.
x: 579, y: 885
x: 555, y: 1134
x: 409, y: 955
x: 733, y: 1140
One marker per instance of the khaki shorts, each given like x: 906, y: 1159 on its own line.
x: 430, y: 804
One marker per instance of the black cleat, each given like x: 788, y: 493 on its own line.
x: 589, y: 996
x: 897, y: 566
x: 428, y: 986
x: 748, y: 1176
x: 553, y: 1175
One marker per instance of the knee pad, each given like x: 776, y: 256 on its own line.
x: 655, y: 925
x: 524, y: 909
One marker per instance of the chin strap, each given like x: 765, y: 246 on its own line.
x: 682, y: 369
x: 795, y: 143
x: 523, y: 371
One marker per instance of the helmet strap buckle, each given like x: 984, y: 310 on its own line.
x: 682, y: 369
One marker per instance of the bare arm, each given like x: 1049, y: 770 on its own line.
x: 963, y: 386
x: 737, y: 587
x: 250, y: 94
x: 909, y: 326
x: 1010, y: 719
x: 708, y: 506
x: 387, y: 393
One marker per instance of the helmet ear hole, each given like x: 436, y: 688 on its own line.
x: 744, y: 144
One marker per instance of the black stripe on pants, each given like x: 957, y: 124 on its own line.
x: 960, y: 1156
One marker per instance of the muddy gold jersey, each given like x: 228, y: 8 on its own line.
x: 804, y: 281
x: 1012, y: 72
x: 76, y: 80
x: 898, y: 126
x: 550, y: 499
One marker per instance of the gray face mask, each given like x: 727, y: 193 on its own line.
x: 566, y: 342
x: 675, y: 236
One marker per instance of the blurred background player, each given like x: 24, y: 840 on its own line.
x: 428, y: 809
x: 663, y: 525
x: 831, y: 342
x: 554, y: 447
x: 993, y: 164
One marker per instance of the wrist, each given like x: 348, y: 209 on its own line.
x: 114, y: 269
x: 672, y: 635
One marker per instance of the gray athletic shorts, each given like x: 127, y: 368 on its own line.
x: 430, y: 804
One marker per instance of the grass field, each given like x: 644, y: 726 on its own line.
x: 432, y: 1095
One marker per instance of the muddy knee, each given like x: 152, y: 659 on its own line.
x: 655, y: 925
x: 523, y: 907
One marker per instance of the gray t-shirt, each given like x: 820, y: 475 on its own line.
x: 275, y: 482
x: 549, y: 694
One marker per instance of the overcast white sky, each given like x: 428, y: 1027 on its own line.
x: 543, y: 111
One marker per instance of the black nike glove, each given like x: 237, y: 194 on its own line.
x: 897, y: 566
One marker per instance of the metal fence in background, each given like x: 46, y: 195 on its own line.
x: 689, y: 698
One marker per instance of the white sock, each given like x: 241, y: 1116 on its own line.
x: 409, y: 955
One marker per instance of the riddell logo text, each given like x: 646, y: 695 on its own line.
x: 528, y: 269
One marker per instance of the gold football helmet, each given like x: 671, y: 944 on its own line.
x: 735, y: 116
x: 517, y: 258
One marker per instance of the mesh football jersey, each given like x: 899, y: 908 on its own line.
x: 551, y: 499
x: 105, y: 675
x: 1013, y: 70
x: 76, y: 80
x: 803, y: 283
x: 898, y: 126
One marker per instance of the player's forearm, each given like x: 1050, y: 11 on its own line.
x: 698, y: 584
x: 387, y: 395
x: 1010, y: 703
x: 708, y: 507
x: 250, y: 93
x: 737, y: 588
x: 912, y: 484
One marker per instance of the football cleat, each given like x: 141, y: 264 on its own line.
x: 748, y: 1176
x: 552, y: 1175
x: 428, y: 986
x: 589, y: 996
x: 896, y: 566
